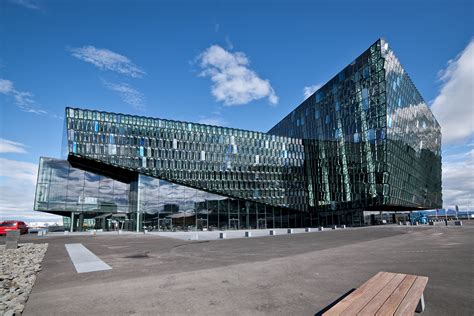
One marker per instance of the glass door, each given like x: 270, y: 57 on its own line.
x: 234, y: 223
x: 201, y: 224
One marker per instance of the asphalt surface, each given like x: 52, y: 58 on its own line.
x: 279, y: 275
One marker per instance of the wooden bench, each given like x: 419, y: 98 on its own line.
x: 385, y: 293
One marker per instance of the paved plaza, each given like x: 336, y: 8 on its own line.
x: 285, y: 274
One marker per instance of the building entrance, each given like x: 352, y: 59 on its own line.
x: 261, y: 223
x: 201, y: 224
x: 234, y: 223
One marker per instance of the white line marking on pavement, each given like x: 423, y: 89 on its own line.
x: 84, y: 260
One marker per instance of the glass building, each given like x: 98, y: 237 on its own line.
x: 363, y: 144
x: 371, y: 142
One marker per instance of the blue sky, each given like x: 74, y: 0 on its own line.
x: 167, y: 59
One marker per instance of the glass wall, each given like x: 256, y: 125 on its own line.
x: 370, y: 141
x: 343, y: 127
x: 97, y: 202
x: 243, y: 164
x: 414, y: 141
x: 167, y: 206
x: 64, y: 190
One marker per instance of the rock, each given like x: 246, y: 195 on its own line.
x: 19, y: 308
x: 18, y: 269
x: 9, y: 313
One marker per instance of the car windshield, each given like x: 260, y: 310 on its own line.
x: 7, y: 224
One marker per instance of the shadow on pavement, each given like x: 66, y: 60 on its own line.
x: 321, y: 312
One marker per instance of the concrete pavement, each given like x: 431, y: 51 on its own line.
x: 286, y: 274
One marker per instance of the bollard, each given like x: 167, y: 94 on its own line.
x: 290, y: 231
x: 145, y: 231
x: 334, y: 227
x: 307, y: 229
x: 272, y: 232
x: 343, y: 226
x: 66, y: 232
x: 221, y: 235
x: 321, y: 228
x: 11, y: 242
x: 399, y: 223
x: 248, y: 234
x: 119, y: 232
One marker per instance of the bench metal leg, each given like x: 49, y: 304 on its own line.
x: 421, y: 305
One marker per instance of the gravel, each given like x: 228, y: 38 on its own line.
x: 18, y: 269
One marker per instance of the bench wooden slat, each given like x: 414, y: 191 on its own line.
x: 378, y: 280
x: 373, y: 306
x: 344, y: 303
x: 391, y: 304
x: 410, y: 301
x: 385, y: 293
x: 368, y: 295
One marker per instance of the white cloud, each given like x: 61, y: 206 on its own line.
x: 458, y: 180
x: 214, y: 120
x: 23, y: 171
x: 454, y: 106
x: 127, y: 93
x: 6, y: 86
x: 8, y: 146
x: 234, y: 83
x: 29, y: 4
x: 309, y: 90
x: 24, y: 100
x: 108, y: 60
x: 454, y: 110
x: 17, y: 185
x: 229, y: 43
x: 17, y: 192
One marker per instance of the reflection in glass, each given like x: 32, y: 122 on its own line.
x: 365, y: 141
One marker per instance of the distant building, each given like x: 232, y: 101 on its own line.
x: 364, y: 143
x: 34, y: 224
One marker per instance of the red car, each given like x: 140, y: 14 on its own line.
x: 13, y: 225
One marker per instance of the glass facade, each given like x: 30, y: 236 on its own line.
x: 99, y: 202
x: 364, y: 142
x: 370, y: 141
x: 168, y: 206
x: 414, y: 146
x: 242, y: 164
x: 62, y: 190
